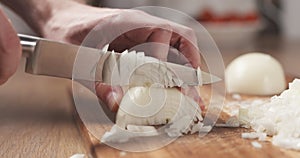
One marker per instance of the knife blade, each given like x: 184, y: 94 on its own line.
x: 52, y: 58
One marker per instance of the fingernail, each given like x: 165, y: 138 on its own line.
x: 199, y: 102
x: 112, y: 100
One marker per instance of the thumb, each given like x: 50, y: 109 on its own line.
x: 10, y: 49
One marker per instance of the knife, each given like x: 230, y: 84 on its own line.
x: 52, y: 58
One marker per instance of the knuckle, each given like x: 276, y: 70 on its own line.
x: 131, y: 12
x: 166, y: 26
x: 185, y: 32
x: 190, y: 33
x: 162, y: 27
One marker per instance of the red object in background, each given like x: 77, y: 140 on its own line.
x: 208, y: 16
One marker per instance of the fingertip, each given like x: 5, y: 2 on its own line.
x: 113, y: 101
x: 111, y: 96
x: 192, y: 55
x: 201, y: 104
x: 199, y: 101
x: 190, y: 51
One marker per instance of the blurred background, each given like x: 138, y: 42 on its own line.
x: 240, y: 26
x: 230, y: 22
x: 237, y: 26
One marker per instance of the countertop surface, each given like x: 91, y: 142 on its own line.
x: 36, y: 118
x: 36, y: 112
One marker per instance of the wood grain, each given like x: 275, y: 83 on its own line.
x: 36, y: 118
x: 220, y: 142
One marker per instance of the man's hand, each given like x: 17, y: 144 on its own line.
x: 137, y: 27
x: 68, y: 21
x: 10, y: 49
x: 74, y: 23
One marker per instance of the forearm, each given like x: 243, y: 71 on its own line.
x: 37, y: 13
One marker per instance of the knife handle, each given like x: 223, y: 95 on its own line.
x: 52, y: 58
x: 44, y: 56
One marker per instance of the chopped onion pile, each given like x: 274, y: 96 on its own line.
x: 279, y: 118
x: 255, y: 144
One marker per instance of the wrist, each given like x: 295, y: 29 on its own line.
x: 53, y: 8
x: 37, y: 13
x: 72, y: 23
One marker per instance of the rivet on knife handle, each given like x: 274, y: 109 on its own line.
x: 28, y: 44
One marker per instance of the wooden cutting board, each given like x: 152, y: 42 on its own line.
x: 220, y: 142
